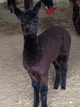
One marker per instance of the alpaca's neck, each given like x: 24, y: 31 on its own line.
x: 30, y: 42
x: 31, y: 49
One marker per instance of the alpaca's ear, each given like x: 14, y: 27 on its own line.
x: 37, y: 7
x: 18, y: 13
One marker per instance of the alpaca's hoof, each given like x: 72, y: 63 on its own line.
x: 35, y: 106
x: 55, y: 88
x: 63, y: 88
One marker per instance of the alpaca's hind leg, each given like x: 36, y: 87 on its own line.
x: 58, y: 70
x: 64, y: 66
x: 35, y: 85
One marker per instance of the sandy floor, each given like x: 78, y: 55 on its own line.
x: 15, y: 84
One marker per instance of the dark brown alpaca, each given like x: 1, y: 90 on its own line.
x: 51, y: 46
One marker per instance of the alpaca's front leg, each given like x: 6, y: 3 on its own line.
x: 36, y: 98
x: 43, y: 91
x: 35, y: 85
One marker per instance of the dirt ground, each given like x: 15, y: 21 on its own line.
x: 15, y: 84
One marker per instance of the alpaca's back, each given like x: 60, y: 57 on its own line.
x: 54, y: 41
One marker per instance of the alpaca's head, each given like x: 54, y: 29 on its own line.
x: 29, y: 19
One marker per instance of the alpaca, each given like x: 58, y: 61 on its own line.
x: 11, y: 3
x: 51, y: 46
